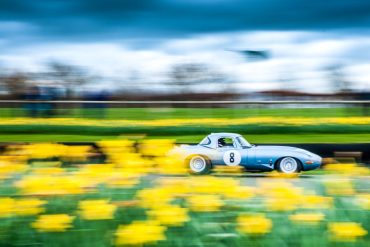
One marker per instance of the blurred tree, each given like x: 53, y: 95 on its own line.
x: 188, y: 75
x: 287, y: 77
x: 14, y: 83
x: 72, y: 77
x: 338, y: 79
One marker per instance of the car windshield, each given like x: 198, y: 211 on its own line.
x: 205, y: 141
x: 243, y: 142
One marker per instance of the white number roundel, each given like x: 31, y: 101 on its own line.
x: 232, y: 158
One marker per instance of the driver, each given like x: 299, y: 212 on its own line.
x: 221, y: 142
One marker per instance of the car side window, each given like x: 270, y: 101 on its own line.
x: 225, y: 142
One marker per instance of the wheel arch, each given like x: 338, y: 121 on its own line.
x: 188, y: 158
x: 299, y: 162
x: 205, y: 170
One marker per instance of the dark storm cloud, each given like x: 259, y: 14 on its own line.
x: 105, y: 19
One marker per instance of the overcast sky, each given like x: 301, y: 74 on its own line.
x: 145, y: 37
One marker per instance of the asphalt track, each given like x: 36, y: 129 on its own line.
x: 325, y: 150
x: 309, y: 182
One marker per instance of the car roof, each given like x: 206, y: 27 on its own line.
x: 223, y: 134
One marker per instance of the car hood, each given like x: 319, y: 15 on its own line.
x: 280, y: 148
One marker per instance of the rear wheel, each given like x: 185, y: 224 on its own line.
x: 199, y: 164
x: 288, y: 165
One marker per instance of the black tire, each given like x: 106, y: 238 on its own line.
x: 198, y: 164
x: 288, y: 165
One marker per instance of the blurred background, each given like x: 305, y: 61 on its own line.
x: 184, y: 50
x: 118, y: 60
x: 94, y: 95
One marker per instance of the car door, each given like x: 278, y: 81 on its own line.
x: 231, y: 154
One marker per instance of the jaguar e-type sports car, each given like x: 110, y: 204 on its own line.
x: 233, y: 150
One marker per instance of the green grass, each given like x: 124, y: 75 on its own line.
x: 167, y: 113
x: 273, y: 138
x: 183, y: 129
x: 253, y: 132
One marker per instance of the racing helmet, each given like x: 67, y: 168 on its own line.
x: 221, y: 142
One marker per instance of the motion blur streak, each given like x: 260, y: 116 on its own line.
x: 96, y: 95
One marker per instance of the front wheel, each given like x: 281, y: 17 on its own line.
x: 288, y: 165
x: 199, y: 164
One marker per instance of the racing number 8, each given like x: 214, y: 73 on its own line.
x: 232, y: 158
x: 232, y: 155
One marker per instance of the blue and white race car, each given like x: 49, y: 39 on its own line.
x: 231, y: 149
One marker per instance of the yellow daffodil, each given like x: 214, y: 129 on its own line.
x: 212, y: 185
x: 122, y: 180
x: 169, y: 215
x: 154, y: 198
x: 9, y: 167
x: 96, y: 173
x: 205, y: 203
x: 140, y: 232
x: 76, y: 153
x: 346, y: 231
x: 281, y: 204
x: 158, y: 147
x: 50, y: 185
x: 29, y: 206
x: 171, y: 165
x: 48, y: 171
x: 239, y: 192
x: 254, y: 224
x: 96, y: 209
x: 315, y: 201
x: 53, y: 223
x: 196, y: 121
x: 281, y: 196
x: 116, y: 146
x: 175, y: 186
x: 307, y: 218
x: 6, y: 206
x: 44, y: 150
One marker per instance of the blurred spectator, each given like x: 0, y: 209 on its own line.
x: 47, y: 93
x: 40, y: 93
x: 96, y: 110
x: 31, y: 93
x: 365, y: 107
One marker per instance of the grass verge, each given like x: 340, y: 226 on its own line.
x: 253, y: 138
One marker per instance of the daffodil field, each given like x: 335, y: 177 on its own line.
x: 122, y: 193
x: 290, y: 125
x: 349, y: 129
